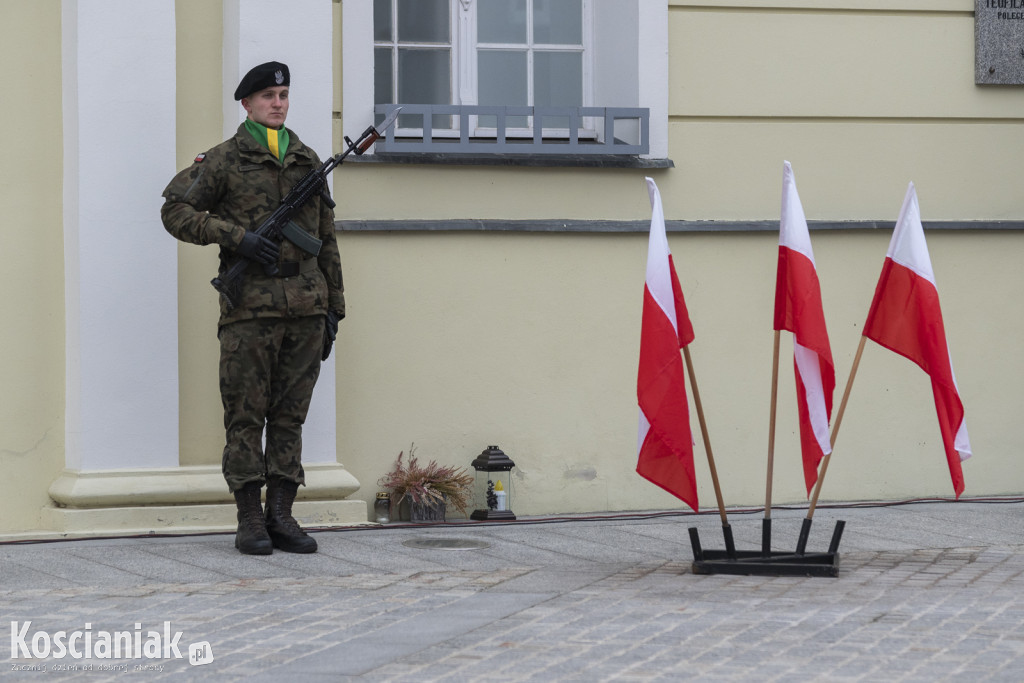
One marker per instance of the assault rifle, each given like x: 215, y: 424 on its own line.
x: 279, y: 226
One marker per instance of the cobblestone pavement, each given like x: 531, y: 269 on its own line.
x: 925, y: 592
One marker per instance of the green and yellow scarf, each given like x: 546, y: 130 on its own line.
x: 274, y: 140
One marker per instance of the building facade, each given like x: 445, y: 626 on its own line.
x: 494, y: 286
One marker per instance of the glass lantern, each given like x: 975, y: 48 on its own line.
x: 382, y: 508
x: 493, y: 486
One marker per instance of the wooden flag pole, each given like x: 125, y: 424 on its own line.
x: 766, y: 525
x: 805, y: 531
x: 726, y: 529
x: 763, y: 561
x: 704, y: 433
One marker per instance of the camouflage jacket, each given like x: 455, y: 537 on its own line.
x: 234, y: 187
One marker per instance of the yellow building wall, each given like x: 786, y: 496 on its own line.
x: 459, y: 340
x: 200, y: 26
x: 31, y: 278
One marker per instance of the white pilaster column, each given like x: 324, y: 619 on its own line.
x: 357, y: 56
x: 120, y: 264
x: 653, y: 76
x: 298, y: 34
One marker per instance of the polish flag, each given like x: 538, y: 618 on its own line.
x: 905, y: 317
x: 665, y: 443
x: 798, y: 309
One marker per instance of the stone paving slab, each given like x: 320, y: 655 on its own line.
x: 926, y: 592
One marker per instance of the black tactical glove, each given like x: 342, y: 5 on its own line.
x: 258, y: 249
x: 330, y: 332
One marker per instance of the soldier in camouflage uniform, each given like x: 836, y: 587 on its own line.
x: 273, y: 341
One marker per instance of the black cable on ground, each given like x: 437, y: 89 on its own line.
x: 990, y: 500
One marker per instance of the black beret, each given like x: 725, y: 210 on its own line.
x: 265, y: 75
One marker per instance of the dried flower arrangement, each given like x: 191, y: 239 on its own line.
x: 430, y: 483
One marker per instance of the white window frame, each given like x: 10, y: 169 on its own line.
x: 465, y: 49
x: 470, y: 51
x: 456, y: 60
x: 651, y: 77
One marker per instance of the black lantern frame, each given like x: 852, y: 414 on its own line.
x: 493, y: 460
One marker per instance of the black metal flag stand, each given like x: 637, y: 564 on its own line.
x: 765, y: 562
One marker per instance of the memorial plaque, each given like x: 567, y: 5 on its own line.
x: 999, y: 42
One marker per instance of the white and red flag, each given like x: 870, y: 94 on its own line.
x: 798, y: 309
x: 905, y: 317
x: 665, y: 443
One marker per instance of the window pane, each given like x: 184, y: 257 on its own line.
x: 502, y: 75
x: 382, y: 76
x: 423, y: 21
x: 557, y: 82
x: 558, y: 22
x: 501, y: 21
x: 558, y: 79
x: 424, y: 77
x: 382, y: 20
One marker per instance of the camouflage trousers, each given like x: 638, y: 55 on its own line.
x: 268, y: 368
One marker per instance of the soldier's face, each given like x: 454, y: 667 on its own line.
x: 268, y: 106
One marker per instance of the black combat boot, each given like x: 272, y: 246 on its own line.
x: 252, y: 537
x: 284, y: 531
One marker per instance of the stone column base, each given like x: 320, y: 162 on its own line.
x: 182, y: 500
